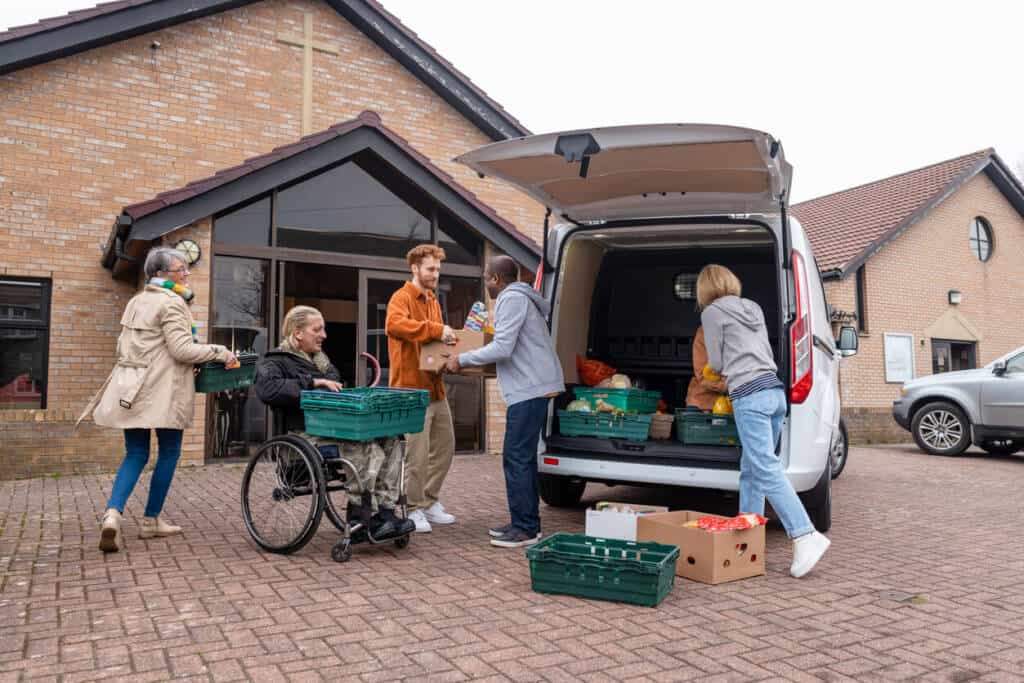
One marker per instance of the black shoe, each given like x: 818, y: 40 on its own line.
x: 516, y: 538
x: 393, y: 528
x: 497, y: 531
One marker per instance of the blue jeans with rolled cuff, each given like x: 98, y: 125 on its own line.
x: 759, y: 423
x: 523, y: 424
x: 136, y: 443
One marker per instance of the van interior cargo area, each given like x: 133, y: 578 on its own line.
x: 628, y: 298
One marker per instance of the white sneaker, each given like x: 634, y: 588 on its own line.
x: 807, y: 550
x: 422, y: 525
x: 437, y: 515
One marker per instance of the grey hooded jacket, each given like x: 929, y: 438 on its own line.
x: 737, y: 341
x: 528, y: 366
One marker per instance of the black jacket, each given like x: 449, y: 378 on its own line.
x: 280, y: 379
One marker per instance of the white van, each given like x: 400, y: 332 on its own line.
x: 641, y: 209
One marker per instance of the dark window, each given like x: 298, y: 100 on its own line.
x: 249, y: 225
x: 981, y: 239
x: 24, y: 342
x: 951, y: 356
x: 862, y: 300
x: 460, y: 245
x: 240, y: 288
x: 348, y: 210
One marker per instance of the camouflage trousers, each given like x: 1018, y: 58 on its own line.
x: 378, y: 462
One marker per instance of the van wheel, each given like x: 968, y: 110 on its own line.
x: 560, y: 492
x: 818, y: 501
x: 840, y: 449
x: 941, y: 428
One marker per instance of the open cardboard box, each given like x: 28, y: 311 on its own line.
x: 705, y: 556
x: 617, y: 520
x: 433, y: 355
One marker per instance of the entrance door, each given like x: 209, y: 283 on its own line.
x: 951, y: 356
x: 332, y: 290
x: 456, y: 296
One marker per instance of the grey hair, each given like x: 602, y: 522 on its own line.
x: 162, y: 258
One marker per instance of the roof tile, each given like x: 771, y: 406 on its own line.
x: 844, y: 225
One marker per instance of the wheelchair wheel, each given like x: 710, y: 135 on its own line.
x: 342, y: 551
x: 283, y: 494
x: 403, y: 541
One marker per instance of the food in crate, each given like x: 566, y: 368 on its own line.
x: 580, y: 405
x: 593, y: 372
x: 616, y: 382
x: 715, y: 524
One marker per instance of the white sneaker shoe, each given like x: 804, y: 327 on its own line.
x: 422, y: 525
x: 807, y: 550
x: 436, y: 514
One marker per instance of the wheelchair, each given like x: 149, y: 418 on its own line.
x: 287, y: 488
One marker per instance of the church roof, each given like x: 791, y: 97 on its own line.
x: 57, y: 37
x: 846, y: 228
x: 168, y: 211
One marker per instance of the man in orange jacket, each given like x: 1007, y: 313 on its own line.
x: 413, y: 319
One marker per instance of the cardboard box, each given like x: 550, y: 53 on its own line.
x: 617, y: 520
x: 705, y: 556
x: 435, y: 354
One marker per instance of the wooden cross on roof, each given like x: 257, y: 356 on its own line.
x: 307, y: 44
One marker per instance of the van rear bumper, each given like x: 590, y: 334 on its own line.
x: 602, y: 468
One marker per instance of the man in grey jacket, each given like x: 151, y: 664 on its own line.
x: 529, y: 374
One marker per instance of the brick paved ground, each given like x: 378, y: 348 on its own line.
x: 209, y: 606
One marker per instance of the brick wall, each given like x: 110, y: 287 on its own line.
x: 907, y: 284
x: 82, y: 137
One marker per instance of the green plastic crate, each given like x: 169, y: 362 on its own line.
x: 604, y: 425
x: 638, y: 400
x: 364, y: 413
x: 214, y: 377
x: 705, y: 428
x: 641, y: 573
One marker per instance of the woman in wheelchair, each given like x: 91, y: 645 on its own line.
x: 300, y: 364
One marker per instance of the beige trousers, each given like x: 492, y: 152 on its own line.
x: 428, y: 456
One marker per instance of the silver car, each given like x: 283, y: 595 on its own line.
x: 949, y: 411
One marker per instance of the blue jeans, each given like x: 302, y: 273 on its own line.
x: 523, y: 424
x: 136, y: 443
x: 759, y: 423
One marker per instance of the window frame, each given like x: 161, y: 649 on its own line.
x: 975, y: 242
x: 43, y: 324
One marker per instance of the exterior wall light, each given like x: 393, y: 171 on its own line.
x: 955, y: 297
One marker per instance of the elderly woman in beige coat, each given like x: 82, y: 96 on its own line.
x: 152, y: 387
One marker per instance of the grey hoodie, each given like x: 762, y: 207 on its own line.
x: 737, y: 341
x: 528, y: 366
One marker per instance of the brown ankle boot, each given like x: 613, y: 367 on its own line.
x: 156, y: 527
x: 110, y: 531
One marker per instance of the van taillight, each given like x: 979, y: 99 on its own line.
x: 801, y: 355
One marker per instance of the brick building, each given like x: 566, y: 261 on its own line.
x: 928, y: 264
x: 302, y: 145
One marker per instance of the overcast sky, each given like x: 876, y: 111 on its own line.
x: 856, y: 92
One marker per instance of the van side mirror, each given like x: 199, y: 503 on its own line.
x: 848, y: 341
x: 999, y: 369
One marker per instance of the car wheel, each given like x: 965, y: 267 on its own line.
x: 1002, y: 446
x: 941, y: 428
x: 840, y: 450
x: 560, y: 492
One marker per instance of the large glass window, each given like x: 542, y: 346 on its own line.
x: 348, y: 210
x: 24, y: 340
x: 460, y: 244
x: 249, y: 225
x: 239, y: 418
x: 980, y: 239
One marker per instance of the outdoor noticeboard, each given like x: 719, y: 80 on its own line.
x: 899, y: 358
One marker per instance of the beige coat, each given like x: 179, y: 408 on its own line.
x: 152, y: 385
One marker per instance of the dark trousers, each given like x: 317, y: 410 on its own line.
x: 523, y: 424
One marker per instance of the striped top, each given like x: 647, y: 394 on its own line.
x: 760, y: 383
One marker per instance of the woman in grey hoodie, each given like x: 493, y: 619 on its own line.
x: 738, y: 348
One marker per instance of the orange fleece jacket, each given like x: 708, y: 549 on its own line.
x: 413, y: 319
